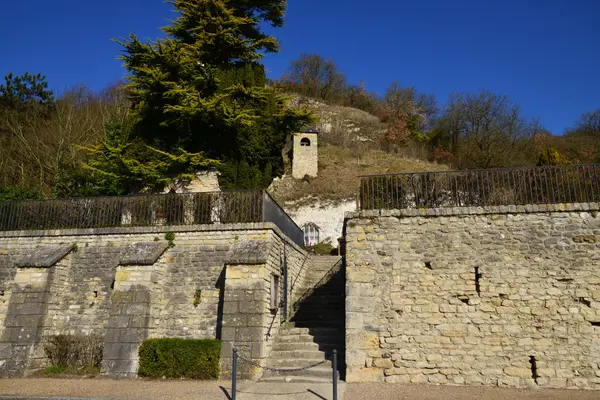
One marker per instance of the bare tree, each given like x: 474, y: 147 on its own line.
x: 487, y: 130
x: 589, y: 122
x: 40, y: 151
x: 314, y: 76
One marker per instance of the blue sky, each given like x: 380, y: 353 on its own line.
x: 542, y: 53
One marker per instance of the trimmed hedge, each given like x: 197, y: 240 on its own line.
x: 180, y: 358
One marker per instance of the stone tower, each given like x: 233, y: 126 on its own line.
x: 305, y: 155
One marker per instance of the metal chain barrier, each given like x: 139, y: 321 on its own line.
x: 255, y: 364
x: 237, y: 356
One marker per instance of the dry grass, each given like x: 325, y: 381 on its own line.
x: 339, y: 174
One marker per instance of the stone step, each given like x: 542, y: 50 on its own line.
x: 315, y: 273
x: 306, y: 338
x: 289, y: 354
x: 337, y: 289
x: 291, y: 363
x: 330, y: 286
x: 335, y: 341
x: 307, y: 331
x: 283, y: 338
x: 323, y: 292
x: 337, y: 306
x: 298, y: 379
x: 312, y: 321
x: 327, y: 348
x: 293, y: 324
x: 322, y: 371
x: 312, y: 280
x: 305, y: 346
x: 332, y: 339
x: 324, y: 260
x: 336, y: 315
x: 325, y: 299
x: 321, y: 296
x: 338, y: 312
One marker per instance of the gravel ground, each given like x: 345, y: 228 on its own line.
x: 188, y: 390
x: 368, y: 391
x: 122, y: 389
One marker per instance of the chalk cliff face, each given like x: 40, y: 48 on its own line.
x: 343, y: 125
x: 328, y: 215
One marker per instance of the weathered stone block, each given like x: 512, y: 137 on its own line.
x: 247, y: 335
x: 143, y: 253
x: 249, y: 252
x: 383, y: 363
x: 44, y: 256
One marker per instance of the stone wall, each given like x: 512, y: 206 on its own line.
x: 127, y: 284
x: 248, y: 322
x: 505, y: 296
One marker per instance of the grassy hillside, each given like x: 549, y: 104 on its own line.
x: 339, y: 172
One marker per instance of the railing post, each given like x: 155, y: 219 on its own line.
x: 285, y: 284
x: 334, y: 365
x: 234, y: 374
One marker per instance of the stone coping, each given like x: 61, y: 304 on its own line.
x: 133, y: 230
x: 464, y: 211
x: 44, y: 256
x: 143, y: 253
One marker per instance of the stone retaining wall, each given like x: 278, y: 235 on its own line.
x: 505, y: 296
x: 127, y: 284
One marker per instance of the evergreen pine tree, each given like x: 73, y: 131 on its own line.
x: 202, y: 91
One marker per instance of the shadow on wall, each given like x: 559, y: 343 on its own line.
x: 220, y: 285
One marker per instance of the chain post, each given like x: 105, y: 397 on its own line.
x: 334, y: 365
x: 285, y: 284
x: 234, y: 375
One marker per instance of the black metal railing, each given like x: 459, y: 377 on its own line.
x: 243, y: 206
x: 489, y: 187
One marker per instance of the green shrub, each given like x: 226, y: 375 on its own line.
x: 55, y: 369
x: 180, y: 358
x: 323, y: 248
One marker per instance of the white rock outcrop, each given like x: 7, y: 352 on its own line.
x: 327, y: 214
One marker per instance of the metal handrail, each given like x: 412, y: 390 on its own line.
x: 482, y: 187
x: 458, y: 171
x: 226, y: 207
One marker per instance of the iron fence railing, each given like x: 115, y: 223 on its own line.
x: 227, y: 207
x: 489, y: 187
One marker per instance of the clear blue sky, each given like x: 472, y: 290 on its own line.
x: 544, y: 54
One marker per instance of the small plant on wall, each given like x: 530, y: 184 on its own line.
x: 197, y: 297
x: 170, y: 237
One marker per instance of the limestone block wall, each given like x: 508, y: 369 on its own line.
x: 248, y: 322
x: 125, y: 284
x: 505, y: 296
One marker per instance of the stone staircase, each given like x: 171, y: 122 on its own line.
x: 316, y: 328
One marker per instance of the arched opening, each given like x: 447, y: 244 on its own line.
x: 311, y: 234
x: 305, y: 142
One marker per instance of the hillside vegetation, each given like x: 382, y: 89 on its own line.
x: 199, y: 98
x: 339, y: 174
